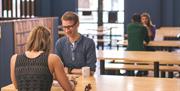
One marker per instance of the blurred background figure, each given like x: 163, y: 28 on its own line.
x: 137, y: 34
x: 146, y: 21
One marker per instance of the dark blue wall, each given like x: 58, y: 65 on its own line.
x: 43, y: 7
x: 139, y: 6
x: 54, y: 7
x: 60, y: 6
x: 163, y: 12
x: 176, y: 13
x: 167, y: 11
x: 7, y: 50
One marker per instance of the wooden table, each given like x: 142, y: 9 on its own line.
x: 175, y: 44
x: 139, y: 56
x: 166, y: 43
x: 11, y: 87
x: 120, y: 83
x: 167, y: 32
x: 158, y: 45
x: 81, y: 84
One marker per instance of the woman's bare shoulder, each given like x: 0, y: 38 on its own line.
x: 13, y: 58
x: 54, y: 57
x: 51, y: 55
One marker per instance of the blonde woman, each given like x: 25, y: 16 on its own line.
x: 33, y: 70
x: 146, y: 21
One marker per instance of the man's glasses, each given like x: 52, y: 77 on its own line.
x: 68, y: 27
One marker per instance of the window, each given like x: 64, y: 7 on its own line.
x: 17, y: 8
x: 113, y: 16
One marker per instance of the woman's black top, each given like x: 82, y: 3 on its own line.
x: 33, y: 74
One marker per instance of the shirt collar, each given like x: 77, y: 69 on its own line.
x: 76, y: 42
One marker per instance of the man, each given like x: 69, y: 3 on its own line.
x: 75, y: 50
x: 137, y: 34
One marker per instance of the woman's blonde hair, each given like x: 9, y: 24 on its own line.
x: 39, y: 39
x: 145, y: 14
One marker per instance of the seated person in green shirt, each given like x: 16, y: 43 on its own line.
x: 137, y: 34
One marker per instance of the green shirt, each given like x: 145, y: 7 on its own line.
x: 137, y: 34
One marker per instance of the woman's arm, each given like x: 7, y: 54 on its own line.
x: 12, y: 67
x: 59, y: 72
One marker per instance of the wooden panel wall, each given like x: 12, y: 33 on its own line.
x: 23, y: 27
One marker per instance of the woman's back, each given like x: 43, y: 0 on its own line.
x: 33, y: 74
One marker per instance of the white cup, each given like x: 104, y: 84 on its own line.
x: 85, y: 71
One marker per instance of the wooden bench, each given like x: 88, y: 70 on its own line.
x: 115, y: 66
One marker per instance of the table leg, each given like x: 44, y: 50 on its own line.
x: 102, y: 67
x: 156, y: 69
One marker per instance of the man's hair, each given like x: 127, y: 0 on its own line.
x: 39, y: 39
x: 136, y: 18
x: 70, y: 16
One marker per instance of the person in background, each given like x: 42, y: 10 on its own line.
x: 137, y: 35
x: 146, y: 21
x: 33, y: 70
x: 75, y: 50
